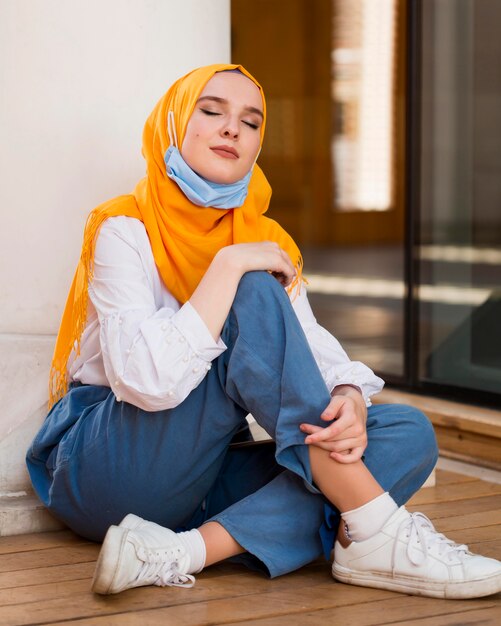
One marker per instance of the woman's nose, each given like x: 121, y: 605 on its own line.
x: 230, y: 129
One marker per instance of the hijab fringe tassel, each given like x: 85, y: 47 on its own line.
x: 58, y: 379
x: 294, y: 289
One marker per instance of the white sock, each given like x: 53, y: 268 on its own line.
x: 369, y: 518
x: 195, y: 547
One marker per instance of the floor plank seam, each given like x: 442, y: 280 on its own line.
x: 386, y: 621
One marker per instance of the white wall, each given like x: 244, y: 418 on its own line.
x: 78, y: 79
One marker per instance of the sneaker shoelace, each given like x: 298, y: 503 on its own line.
x: 161, y: 568
x: 422, y: 538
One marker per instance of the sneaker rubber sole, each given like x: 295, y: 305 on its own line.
x: 406, y: 584
x: 109, y: 559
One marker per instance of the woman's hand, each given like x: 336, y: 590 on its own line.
x: 346, y: 437
x: 262, y: 255
x: 213, y: 297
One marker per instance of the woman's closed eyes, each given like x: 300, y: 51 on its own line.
x: 252, y: 125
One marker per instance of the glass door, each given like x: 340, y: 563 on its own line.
x: 459, y: 218
x: 383, y: 149
x: 334, y: 75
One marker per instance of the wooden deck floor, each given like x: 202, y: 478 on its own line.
x: 45, y: 579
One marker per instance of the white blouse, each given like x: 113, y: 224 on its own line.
x: 151, y: 350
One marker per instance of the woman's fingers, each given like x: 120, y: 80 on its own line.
x: 350, y: 447
x: 281, y: 260
x: 265, y: 255
x: 343, y: 427
x: 349, y: 440
x: 284, y: 279
x: 316, y: 434
x: 333, y: 409
x: 344, y: 446
x: 288, y: 263
x: 283, y: 270
x: 351, y: 457
x: 310, y: 428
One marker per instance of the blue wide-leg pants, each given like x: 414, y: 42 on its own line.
x: 96, y: 459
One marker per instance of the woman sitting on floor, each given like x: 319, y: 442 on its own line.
x: 187, y: 312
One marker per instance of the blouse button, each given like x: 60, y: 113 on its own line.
x: 196, y: 370
x: 117, y: 382
x: 167, y: 340
x: 182, y: 339
x: 186, y: 358
x: 170, y: 394
x: 164, y: 326
x: 119, y: 399
x: 120, y: 320
x: 209, y: 365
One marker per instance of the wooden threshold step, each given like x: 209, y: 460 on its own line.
x: 464, y: 432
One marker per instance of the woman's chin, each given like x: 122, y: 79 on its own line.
x: 220, y: 178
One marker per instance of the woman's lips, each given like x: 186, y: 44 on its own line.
x: 226, y: 152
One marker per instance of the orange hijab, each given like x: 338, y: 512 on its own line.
x: 184, y: 237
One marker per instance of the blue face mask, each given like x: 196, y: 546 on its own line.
x: 203, y: 192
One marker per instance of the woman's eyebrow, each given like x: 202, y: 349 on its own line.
x: 224, y: 101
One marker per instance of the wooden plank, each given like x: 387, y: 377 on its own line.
x: 452, y: 492
x: 444, y: 477
x: 329, y: 604
x: 62, y: 587
x: 36, y: 593
x: 446, y: 413
x: 49, y: 574
x: 469, y: 446
x: 465, y: 432
x: 438, y: 510
x: 491, y: 549
x: 477, y: 535
x: 477, y: 617
x: 229, y: 608
x: 55, y: 556
x: 471, y: 520
x: 231, y: 589
x: 206, y: 589
x: 394, y: 611
x: 39, y: 541
x: 470, y: 460
x: 57, y: 573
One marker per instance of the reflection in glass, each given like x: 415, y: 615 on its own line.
x: 334, y: 75
x: 363, y: 93
x: 460, y: 229
x: 356, y: 285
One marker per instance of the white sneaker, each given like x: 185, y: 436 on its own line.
x: 138, y: 553
x: 410, y: 556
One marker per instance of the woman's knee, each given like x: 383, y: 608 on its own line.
x: 402, y: 450
x: 258, y: 285
x: 422, y: 436
x: 407, y: 428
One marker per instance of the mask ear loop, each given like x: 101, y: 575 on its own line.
x: 257, y: 157
x: 171, y: 129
